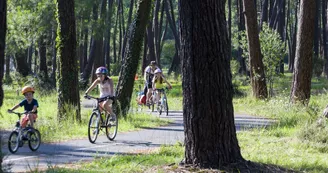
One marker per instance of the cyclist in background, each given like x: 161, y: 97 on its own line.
x: 157, y: 82
x: 148, y: 77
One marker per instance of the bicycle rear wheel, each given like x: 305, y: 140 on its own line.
x: 93, y: 128
x: 34, y: 141
x: 111, y: 126
x: 13, y: 142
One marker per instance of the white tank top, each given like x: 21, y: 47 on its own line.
x: 104, y: 89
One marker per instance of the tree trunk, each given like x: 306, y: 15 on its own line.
x: 324, y: 36
x: 241, y: 27
x: 7, y: 75
x: 54, y: 57
x: 292, y: 48
x: 128, y: 24
x: 3, y: 31
x: 144, y: 57
x: 132, y: 57
x: 21, y: 65
x: 301, y: 86
x: 264, y: 13
x: 67, y: 74
x: 170, y: 17
x: 205, y: 65
x: 43, y: 58
x: 258, y: 82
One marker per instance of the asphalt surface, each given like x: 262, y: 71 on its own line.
x: 73, y: 151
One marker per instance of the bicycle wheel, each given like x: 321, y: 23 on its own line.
x: 34, y: 141
x: 13, y: 142
x: 159, y: 108
x: 111, y: 126
x: 93, y: 128
x: 166, y: 106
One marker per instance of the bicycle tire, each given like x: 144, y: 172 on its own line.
x: 93, y: 127
x: 159, y: 108
x: 13, y: 139
x: 166, y: 106
x: 34, y: 138
x: 111, y: 124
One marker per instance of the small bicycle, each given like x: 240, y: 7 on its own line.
x: 162, y: 104
x: 97, y: 123
x: 20, y: 135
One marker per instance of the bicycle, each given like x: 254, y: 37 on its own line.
x: 97, y: 123
x: 20, y: 135
x: 162, y: 104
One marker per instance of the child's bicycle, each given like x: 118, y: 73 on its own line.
x: 97, y: 122
x: 20, y: 135
x: 162, y: 103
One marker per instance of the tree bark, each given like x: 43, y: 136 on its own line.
x: 54, y: 57
x: 210, y: 134
x: 301, y: 86
x: 132, y: 57
x: 67, y: 74
x: 43, y: 58
x: 264, y: 13
x: 241, y: 27
x: 21, y: 64
x: 3, y: 31
x: 324, y: 36
x: 258, y: 80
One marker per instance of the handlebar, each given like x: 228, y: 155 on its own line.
x: 100, y: 99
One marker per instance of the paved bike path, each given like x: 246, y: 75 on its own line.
x: 53, y: 154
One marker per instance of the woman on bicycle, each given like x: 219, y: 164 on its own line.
x: 158, y: 81
x: 105, y: 88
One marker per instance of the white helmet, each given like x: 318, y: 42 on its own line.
x: 158, y: 71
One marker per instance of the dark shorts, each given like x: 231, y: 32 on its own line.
x: 149, y: 85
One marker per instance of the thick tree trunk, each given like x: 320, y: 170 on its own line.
x: 43, y: 58
x: 67, y: 76
x: 258, y: 80
x: 301, y: 86
x: 316, y: 40
x: 132, y: 57
x: 210, y: 134
x: 3, y: 31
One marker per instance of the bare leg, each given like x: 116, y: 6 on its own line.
x: 150, y: 90
x: 31, y: 119
x: 106, y: 104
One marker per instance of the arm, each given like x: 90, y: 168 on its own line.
x: 168, y: 83
x: 15, y: 107
x: 93, y: 85
x: 153, y: 82
x: 35, y: 107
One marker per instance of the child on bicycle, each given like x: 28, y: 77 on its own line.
x: 158, y: 86
x: 30, y: 106
x: 105, y: 88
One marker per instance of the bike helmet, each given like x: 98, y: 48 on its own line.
x: 27, y: 89
x: 101, y: 70
x: 158, y: 71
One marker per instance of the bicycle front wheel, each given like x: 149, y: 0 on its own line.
x: 13, y: 142
x: 166, y: 106
x: 34, y: 141
x: 93, y: 128
x: 111, y: 126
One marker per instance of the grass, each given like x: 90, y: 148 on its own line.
x: 130, y: 163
